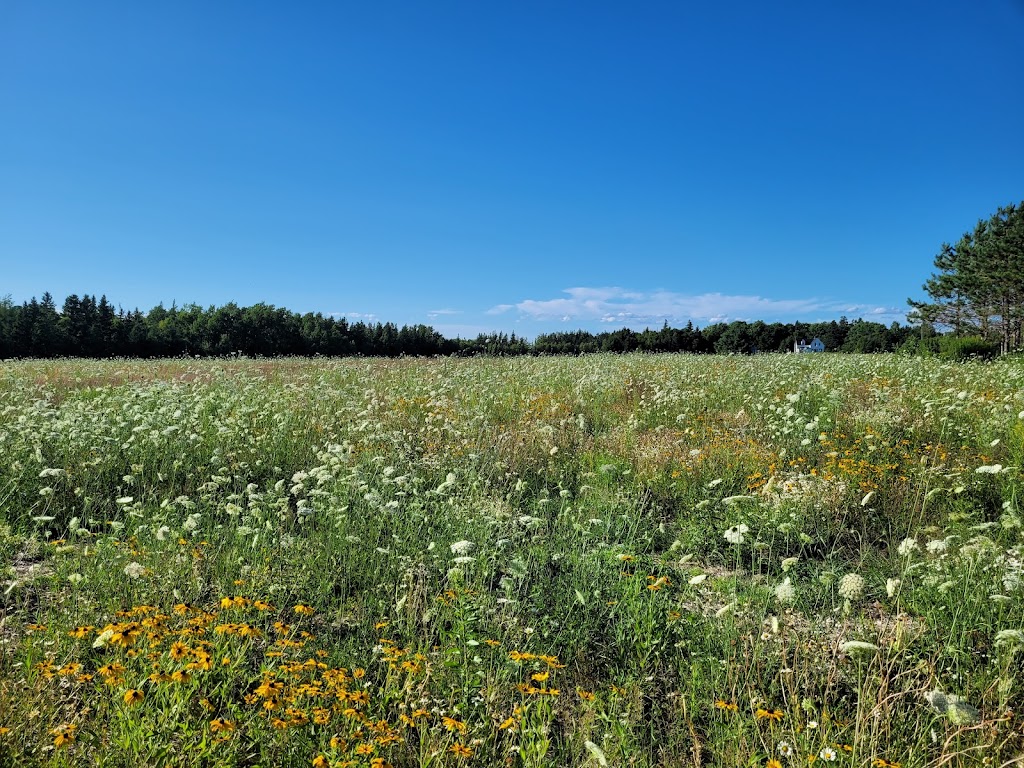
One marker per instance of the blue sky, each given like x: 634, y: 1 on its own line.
x: 523, y: 167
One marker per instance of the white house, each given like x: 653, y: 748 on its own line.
x: 817, y: 345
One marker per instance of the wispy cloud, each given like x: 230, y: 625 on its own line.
x: 366, y: 317
x: 621, y: 306
x: 436, y: 313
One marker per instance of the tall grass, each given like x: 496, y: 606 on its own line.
x: 630, y: 561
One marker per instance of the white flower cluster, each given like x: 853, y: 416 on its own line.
x: 785, y: 592
x: 737, y: 533
x: 851, y: 586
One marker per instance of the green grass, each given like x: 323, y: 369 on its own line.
x: 512, y: 562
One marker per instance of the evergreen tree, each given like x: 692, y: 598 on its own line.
x: 979, y: 288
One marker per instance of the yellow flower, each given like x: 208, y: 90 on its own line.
x: 585, y: 695
x: 772, y: 716
x: 304, y: 610
x: 461, y: 750
x: 728, y: 705
x: 540, y: 677
x: 179, y: 650
x: 320, y: 762
x: 453, y: 725
x: 773, y: 763
x: 133, y: 696
x: 365, y: 749
x: 220, y: 724
x: 509, y: 723
x: 64, y: 734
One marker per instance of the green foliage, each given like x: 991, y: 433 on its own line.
x: 964, y: 347
x: 87, y: 327
x: 454, y: 562
x: 979, y: 288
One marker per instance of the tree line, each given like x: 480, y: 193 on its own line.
x: 87, y: 327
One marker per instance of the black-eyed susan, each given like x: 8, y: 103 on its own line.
x: 726, y: 705
x: 133, y: 696
x: 460, y: 750
x: 219, y: 724
x: 771, y: 715
x: 451, y: 724
x: 64, y: 734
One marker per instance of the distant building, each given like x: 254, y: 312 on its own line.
x: 817, y: 345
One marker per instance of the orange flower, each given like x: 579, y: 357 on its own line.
x: 461, y: 750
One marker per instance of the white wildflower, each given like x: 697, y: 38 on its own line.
x: 851, y: 586
x: 858, y: 646
x: 785, y: 749
x: 789, y: 562
x: 891, y: 585
x: 698, y: 579
x: 989, y: 469
x: 1009, y: 637
x: 735, y: 534
x: 785, y: 593
x: 134, y: 570
x: 938, y: 546
x: 907, y: 546
x: 596, y: 751
x: 828, y: 754
x: 463, y: 547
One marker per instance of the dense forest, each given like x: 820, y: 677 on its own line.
x: 87, y: 327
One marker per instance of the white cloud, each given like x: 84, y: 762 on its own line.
x: 619, y: 306
x: 435, y: 313
x: 366, y: 317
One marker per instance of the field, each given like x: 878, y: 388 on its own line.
x: 602, y: 561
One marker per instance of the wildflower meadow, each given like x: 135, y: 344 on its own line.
x: 637, y: 560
